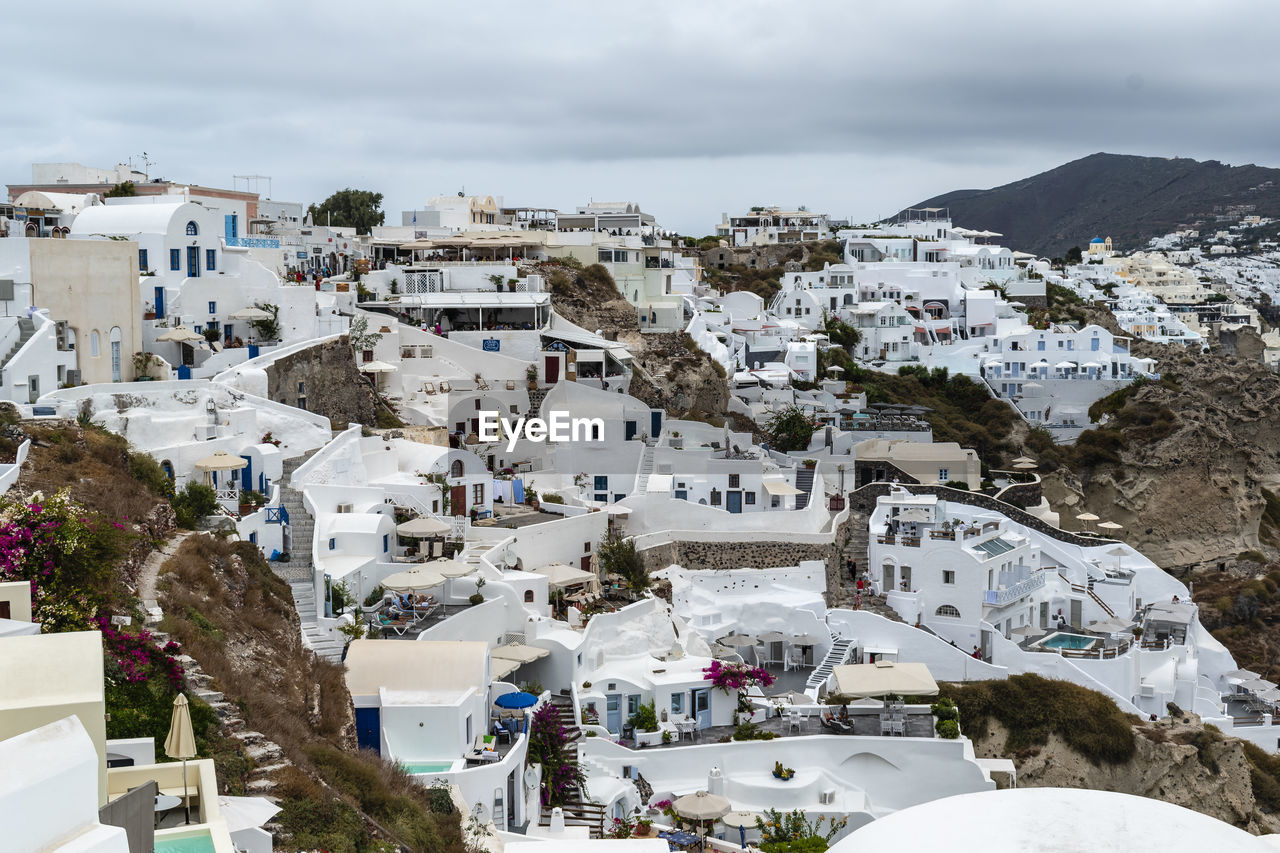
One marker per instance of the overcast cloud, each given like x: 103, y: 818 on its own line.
x: 689, y: 108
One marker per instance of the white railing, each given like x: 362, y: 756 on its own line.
x: 228, y: 497
x: 1000, y: 597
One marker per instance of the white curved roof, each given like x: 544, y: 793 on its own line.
x: 66, y: 202
x: 130, y: 218
x: 1048, y: 820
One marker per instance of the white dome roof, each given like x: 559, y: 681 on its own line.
x: 1048, y: 820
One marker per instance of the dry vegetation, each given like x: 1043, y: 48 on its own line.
x: 234, y: 616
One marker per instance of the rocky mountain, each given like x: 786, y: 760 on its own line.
x: 1128, y: 198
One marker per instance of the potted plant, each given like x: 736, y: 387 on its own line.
x: 246, y: 502
x: 531, y: 374
x: 531, y: 498
x: 676, y: 441
x: 666, y: 737
x: 511, y: 284
x: 811, y: 464
x: 644, y: 824
x: 783, y: 773
x: 477, y: 597
x: 496, y: 281
x: 150, y: 313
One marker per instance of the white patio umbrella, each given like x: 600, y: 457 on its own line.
x: 737, y: 640
x: 377, y: 367
x: 1086, y: 517
x: 422, y: 527
x: 246, y: 812
x: 701, y: 806
x: 1023, y: 459
x: 772, y: 637
x: 221, y: 461
x: 1110, y: 625
x: 414, y: 580
x: 181, y: 743
x: 1024, y: 466
x: 804, y: 640
x: 1117, y: 552
x: 1027, y: 631
x: 447, y: 568
x: 742, y: 821
x: 250, y: 314
x: 180, y: 335
x: 1111, y: 525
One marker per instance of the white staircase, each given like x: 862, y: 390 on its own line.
x: 645, y: 469
x: 841, y: 648
x: 322, y: 643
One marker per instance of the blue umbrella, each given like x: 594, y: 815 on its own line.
x: 516, y: 700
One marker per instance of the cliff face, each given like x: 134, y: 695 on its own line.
x: 1174, y: 762
x: 670, y: 373
x: 1191, y: 496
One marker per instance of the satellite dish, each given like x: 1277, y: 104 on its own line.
x: 509, y: 559
x: 531, y: 777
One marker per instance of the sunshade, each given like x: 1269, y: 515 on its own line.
x: 422, y: 527
x: 181, y: 743
x: 221, y: 461
x: 835, y: 368
x: 1110, y: 625
x: 519, y: 652
x: 500, y: 668
x: 805, y: 640
x: 737, y: 640
x: 1024, y: 459
x: 701, y: 806
x: 447, y: 568
x: 781, y: 488
x: 518, y: 699
x: 1111, y: 525
x: 884, y: 678
x: 246, y: 812
x: 1024, y: 466
x: 413, y: 580
x: 1063, y: 365
x: 742, y: 821
x: 791, y: 697
x: 377, y: 367
x: 180, y: 335
x: 1240, y: 675
x: 1086, y: 516
x: 916, y: 514
x: 1091, y: 364
x: 560, y: 576
x: 1027, y: 631
x: 772, y: 636
x: 1256, y: 684
x: 250, y: 314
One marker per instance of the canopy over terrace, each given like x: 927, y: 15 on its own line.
x: 490, y: 245
x: 468, y: 310
x: 883, y: 678
x: 560, y: 576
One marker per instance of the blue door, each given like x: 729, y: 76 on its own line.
x: 246, y: 474
x: 733, y: 501
x: 630, y: 430
x: 655, y: 425
x: 193, y: 261
x: 159, y: 303
x: 184, y: 371
x: 702, y: 707
x: 368, y: 735
x: 613, y: 714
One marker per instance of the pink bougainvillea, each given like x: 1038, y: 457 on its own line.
x: 736, y: 676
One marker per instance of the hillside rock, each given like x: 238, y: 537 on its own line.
x: 1216, y: 783
x: 1194, y: 496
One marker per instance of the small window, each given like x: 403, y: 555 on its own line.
x: 528, y: 596
x: 477, y: 494
x: 944, y: 475
x: 586, y: 547
x: 735, y: 481
x: 333, y: 544
x: 213, y: 308
x: 455, y: 470
x: 142, y: 260
x: 947, y: 610
x: 715, y: 497
x: 602, y: 482
x: 210, y: 259
x: 386, y: 542
x: 750, y: 498
x: 948, y: 576
x: 193, y: 230
x: 175, y: 259
x: 677, y: 703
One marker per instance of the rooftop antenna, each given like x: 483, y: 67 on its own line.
x: 256, y: 181
x: 146, y: 166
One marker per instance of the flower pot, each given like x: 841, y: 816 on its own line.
x: 149, y: 315
x: 246, y: 509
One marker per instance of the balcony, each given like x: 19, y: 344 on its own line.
x: 253, y: 242
x: 1001, y: 597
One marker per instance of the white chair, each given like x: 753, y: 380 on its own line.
x: 794, y: 721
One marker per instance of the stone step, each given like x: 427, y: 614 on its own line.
x: 250, y: 737
x: 268, y: 769
x: 263, y: 752
x: 209, y: 696
x: 261, y: 786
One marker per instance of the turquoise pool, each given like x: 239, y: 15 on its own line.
x: 1075, y: 642
x: 427, y: 766
x: 188, y: 842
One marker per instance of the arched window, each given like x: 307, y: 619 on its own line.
x: 947, y: 610
x: 193, y: 230
x: 848, y: 299
x: 167, y: 467
x: 94, y: 343
x: 528, y: 596
x: 455, y: 470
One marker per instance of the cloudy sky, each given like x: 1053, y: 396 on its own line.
x: 689, y: 108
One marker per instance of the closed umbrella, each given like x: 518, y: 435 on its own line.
x: 181, y: 743
x: 741, y: 820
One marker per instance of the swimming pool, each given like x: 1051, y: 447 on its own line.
x: 414, y: 767
x: 1062, y: 640
x: 198, y: 841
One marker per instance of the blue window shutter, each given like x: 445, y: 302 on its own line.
x: 175, y: 259
x: 210, y: 259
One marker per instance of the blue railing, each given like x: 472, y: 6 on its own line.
x: 277, y: 515
x: 253, y: 242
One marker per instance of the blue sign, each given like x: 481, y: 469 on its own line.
x: 491, y: 345
x: 302, y: 255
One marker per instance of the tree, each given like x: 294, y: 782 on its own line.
x: 1074, y: 255
x: 358, y: 209
x: 122, y: 190
x: 789, y: 429
x: 360, y: 336
x: 618, y: 556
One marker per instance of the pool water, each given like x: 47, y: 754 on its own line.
x: 1069, y: 641
x: 427, y: 766
x: 196, y: 842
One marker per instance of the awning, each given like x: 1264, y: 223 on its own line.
x: 519, y: 653
x: 500, y: 667
x: 781, y: 488
x: 884, y: 678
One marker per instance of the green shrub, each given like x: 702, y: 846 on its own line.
x: 947, y: 729
x: 645, y: 719
x: 750, y: 731
x: 146, y: 470
x: 192, y: 503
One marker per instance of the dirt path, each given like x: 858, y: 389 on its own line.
x: 151, y: 568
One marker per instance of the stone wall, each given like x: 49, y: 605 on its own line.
x: 323, y: 379
x: 724, y: 554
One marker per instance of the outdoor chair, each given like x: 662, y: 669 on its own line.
x: 444, y: 387
x: 400, y: 626
x: 428, y: 387
x: 511, y: 385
